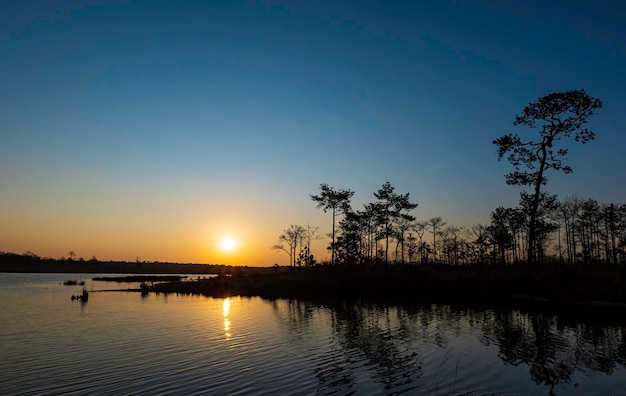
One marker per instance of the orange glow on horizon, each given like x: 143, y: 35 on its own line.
x: 198, y: 235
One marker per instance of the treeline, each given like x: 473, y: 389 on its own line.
x: 30, y: 262
x: 572, y: 231
x: 541, y: 228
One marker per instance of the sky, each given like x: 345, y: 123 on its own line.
x: 152, y: 130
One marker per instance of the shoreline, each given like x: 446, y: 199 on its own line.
x: 585, y: 288
x: 415, y: 284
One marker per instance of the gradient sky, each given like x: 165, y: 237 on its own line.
x: 152, y: 129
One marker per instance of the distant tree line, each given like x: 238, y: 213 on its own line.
x: 541, y: 228
x: 31, y: 262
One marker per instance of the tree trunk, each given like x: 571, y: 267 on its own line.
x: 532, y: 243
x: 332, y: 246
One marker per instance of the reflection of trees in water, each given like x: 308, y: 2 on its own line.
x: 370, y: 333
x: 552, y: 348
x: 388, y: 343
x: 552, y: 363
x: 297, y: 315
x: 331, y: 363
x: 364, y: 342
x: 606, y: 347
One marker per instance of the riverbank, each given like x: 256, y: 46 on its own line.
x: 592, y: 286
x: 424, y: 284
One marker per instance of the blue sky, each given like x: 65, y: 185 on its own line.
x: 152, y: 129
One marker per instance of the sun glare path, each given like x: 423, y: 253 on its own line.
x: 226, y: 321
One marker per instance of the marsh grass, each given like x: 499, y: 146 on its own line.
x: 422, y: 283
x: 409, y: 283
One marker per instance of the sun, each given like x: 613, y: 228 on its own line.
x: 228, y: 244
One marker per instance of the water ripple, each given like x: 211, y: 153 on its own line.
x: 121, y: 343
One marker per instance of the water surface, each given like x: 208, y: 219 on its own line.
x: 124, y: 343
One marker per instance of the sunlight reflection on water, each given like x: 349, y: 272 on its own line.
x: 122, y: 343
x: 226, y: 304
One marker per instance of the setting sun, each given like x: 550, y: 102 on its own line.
x: 228, y: 244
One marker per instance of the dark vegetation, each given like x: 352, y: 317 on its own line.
x: 570, y: 249
x: 541, y: 230
x: 546, y: 248
x: 30, y: 262
x: 428, y: 284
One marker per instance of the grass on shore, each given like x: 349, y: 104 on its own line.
x: 409, y: 284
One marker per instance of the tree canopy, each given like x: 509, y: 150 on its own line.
x: 557, y: 116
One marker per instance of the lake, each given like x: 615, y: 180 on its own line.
x: 123, y: 343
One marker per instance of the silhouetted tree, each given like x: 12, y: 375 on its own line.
x: 568, y: 211
x: 420, y: 228
x: 500, y: 232
x: 436, y: 224
x: 558, y: 115
x: 390, y: 208
x: 280, y: 246
x: 518, y: 224
x: 369, y: 230
x: 31, y: 255
x: 412, y: 247
x: 292, y: 237
x: 338, y: 201
x: 312, y: 234
x: 588, y: 229
x: 480, y: 243
x: 453, y: 243
x: 403, y: 225
x: 544, y: 224
x: 612, y: 216
x: 305, y: 258
x: 348, y: 244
